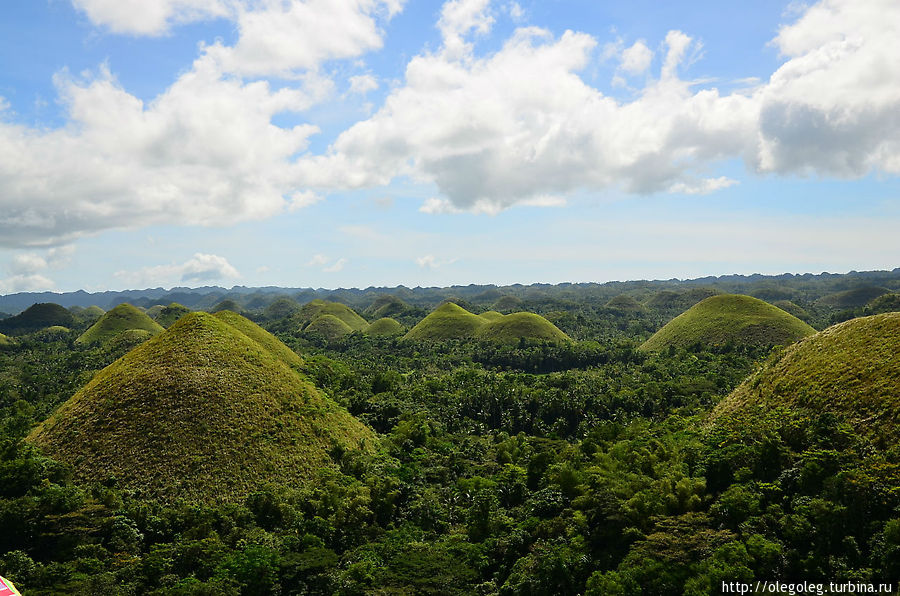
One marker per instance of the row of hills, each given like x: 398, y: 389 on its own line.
x: 213, y: 405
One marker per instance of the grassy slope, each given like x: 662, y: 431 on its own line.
x: 329, y: 326
x: 262, y: 337
x: 448, y: 321
x: 792, y: 308
x: 850, y: 370
x: 201, y: 412
x: 5, y: 341
x: 385, y: 326
x: 121, y: 318
x: 720, y: 319
x: 511, y: 328
x: 317, y: 308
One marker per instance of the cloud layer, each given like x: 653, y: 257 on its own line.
x: 200, y: 268
x: 522, y: 123
x: 517, y: 126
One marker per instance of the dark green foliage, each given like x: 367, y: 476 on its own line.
x: 884, y: 303
x: 36, y: 317
x: 167, y: 315
x: 583, y: 467
x: 852, y: 298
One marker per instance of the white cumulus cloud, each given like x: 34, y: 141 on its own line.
x: 521, y: 123
x: 201, y: 267
x: 150, y: 17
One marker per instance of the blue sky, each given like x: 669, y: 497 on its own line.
x: 349, y: 143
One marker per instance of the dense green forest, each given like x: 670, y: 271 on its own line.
x: 581, y: 460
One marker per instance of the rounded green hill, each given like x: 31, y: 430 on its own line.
x: 507, y: 304
x: 387, y: 305
x: 385, y: 327
x: 852, y: 298
x: 729, y: 318
x: 313, y: 310
x: 451, y: 321
x: 227, y: 304
x: 281, y: 308
x: 167, y: 315
x: 850, y: 370
x: 527, y: 325
x: 5, y: 341
x: 36, y: 317
x: 329, y: 326
x: 448, y: 321
x: 884, y: 303
x: 201, y: 412
x: 122, y: 318
x: 625, y: 303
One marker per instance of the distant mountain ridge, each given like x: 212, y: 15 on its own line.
x: 206, y: 297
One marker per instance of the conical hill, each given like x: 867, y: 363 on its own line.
x: 36, y: 317
x: 316, y: 308
x: 850, y: 370
x: 448, y: 321
x: 124, y: 317
x: 385, y: 327
x: 730, y: 318
x: 329, y: 326
x: 201, y: 412
x: 511, y: 328
x: 451, y: 321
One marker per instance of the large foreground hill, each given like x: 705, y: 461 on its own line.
x: 209, y: 410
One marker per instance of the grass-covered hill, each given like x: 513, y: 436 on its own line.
x: 316, y: 308
x: 201, y: 412
x: 625, y: 303
x: 167, y: 315
x: 729, y: 318
x: 447, y: 321
x: 281, y: 308
x: 36, y: 317
x: 227, y: 304
x: 852, y: 298
x: 329, y: 327
x: 124, y: 317
x: 384, y: 327
x: 451, y: 321
x: 884, y: 303
x: 508, y: 304
x: 513, y: 327
x: 5, y: 341
x: 850, y: 370
x: 387, y: 305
